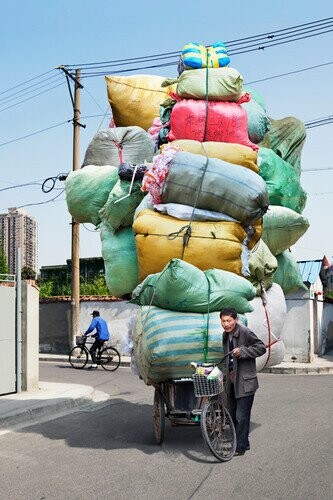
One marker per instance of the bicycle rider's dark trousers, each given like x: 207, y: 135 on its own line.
x: 240, y: 410
x: 96, y: 345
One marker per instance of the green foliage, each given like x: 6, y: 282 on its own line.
x: 3, y: 263
x: 28, y: 273
x: 57, y: 287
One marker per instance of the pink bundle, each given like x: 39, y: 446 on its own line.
x: 210, y: 121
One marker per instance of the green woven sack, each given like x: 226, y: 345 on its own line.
x: 262, y: 266
x: 283, y: 182
x: 288, y: 274
x: 282, y: 228
x: 256, y: 96
x: 217, y: 84
x: 87, y: 190
x: 286, y: 137
x: 120, y: 260
x: 183, y: 287
x: 119, y: 209
x: 166, y: 342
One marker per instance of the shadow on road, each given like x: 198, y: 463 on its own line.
x: 121, y: 424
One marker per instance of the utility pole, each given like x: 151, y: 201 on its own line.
x: 75, y: 283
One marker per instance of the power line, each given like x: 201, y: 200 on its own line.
x: 32, y: 97
x: 47, y: 128
x: 26, y: 90
x: 268, y: 36
x: 26, y: 81
x: 289, y: 73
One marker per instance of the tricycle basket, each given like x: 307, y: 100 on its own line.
x: 204, y: 386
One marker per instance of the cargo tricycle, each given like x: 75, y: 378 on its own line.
x: 196, y: 401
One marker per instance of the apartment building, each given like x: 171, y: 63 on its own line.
x: 18, y: 229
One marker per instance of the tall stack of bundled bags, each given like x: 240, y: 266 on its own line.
x: 197, y: 195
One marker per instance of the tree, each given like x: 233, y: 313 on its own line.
x: 3, y: 263
x: 28, y: 273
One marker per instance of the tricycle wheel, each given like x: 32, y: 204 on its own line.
x: 159, y: 417
x: 218, y: 430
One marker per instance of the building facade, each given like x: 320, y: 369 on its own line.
x: 19, y: 230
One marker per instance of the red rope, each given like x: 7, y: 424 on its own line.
x: 269, y: 334
x: 120, y: 150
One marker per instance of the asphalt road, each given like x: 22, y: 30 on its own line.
x: 107, y: 450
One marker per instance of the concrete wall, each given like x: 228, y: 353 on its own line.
x: 296, y: 330
x: 55, y: 323
x: 30, y: 337
x: 7, y: 340
x: 326, y: 343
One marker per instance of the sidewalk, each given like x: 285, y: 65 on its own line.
x: 50, y: 401
x: 54, y: 399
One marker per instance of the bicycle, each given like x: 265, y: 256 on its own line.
x: 196, y: 401
x: 108, y: 357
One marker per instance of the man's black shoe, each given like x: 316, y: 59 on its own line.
x: 238, y: 453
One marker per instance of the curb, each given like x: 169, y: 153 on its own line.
x: 30, y: 407
x: 63, y: 358
x: 306, y: 370
x: 288, y: 369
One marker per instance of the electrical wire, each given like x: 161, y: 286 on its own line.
x: 305, y: 27
x: 26, y: 90
x: 289, y: 73
x: 26, y: 81
x: 48, y: 128
x: 32, y: 97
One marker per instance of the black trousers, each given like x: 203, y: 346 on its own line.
x: 240, y: 411
x: 96, y: 345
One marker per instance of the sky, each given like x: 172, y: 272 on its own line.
x: 37, y: 36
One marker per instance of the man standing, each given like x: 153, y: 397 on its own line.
x: 240, y: 373
x: 102, y: 335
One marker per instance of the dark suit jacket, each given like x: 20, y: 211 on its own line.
x: 245, y: 374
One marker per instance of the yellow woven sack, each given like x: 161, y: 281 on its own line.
x: 159, y: 238
x: 232, y: 153
x: 135, y: 100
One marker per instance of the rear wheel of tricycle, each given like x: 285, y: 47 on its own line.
x: 218, y: 430
x: 159, y: 417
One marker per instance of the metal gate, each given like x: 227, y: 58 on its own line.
x: 7, y: 336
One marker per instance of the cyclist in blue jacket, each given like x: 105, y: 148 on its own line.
x: 102, y: 335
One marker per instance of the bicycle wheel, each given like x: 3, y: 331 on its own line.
x: 218, y: 430
x: 78, y: 357
x: 159, y: 417
x: 109, y: 359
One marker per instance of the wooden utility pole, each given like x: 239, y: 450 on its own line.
x: 75, y: 298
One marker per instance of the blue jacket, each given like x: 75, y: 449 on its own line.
x: 102, y: 331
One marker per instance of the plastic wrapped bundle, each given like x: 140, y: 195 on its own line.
x: 229, y: 152
x: 121, y: 204
x: 166, y: 342
x: 267, y: 321
x: 286, y: 138
x: 258, y: 122
x: 282, y: 228
x: 183, y: 287
x: 120, y: 259
x: 216, y: 84
x: 87, y: 190
x: 206, y: 245
x: 135, y: 100
x: 262, y: 266
x: 213, y: 184
x: 117, y: 145
x: 288, y: 274
x: 202, y: 121
x: 196, y: 56
x: 283, y: 183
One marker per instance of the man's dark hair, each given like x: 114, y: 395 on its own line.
x: 228, y: 311
x: 95, y: 313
